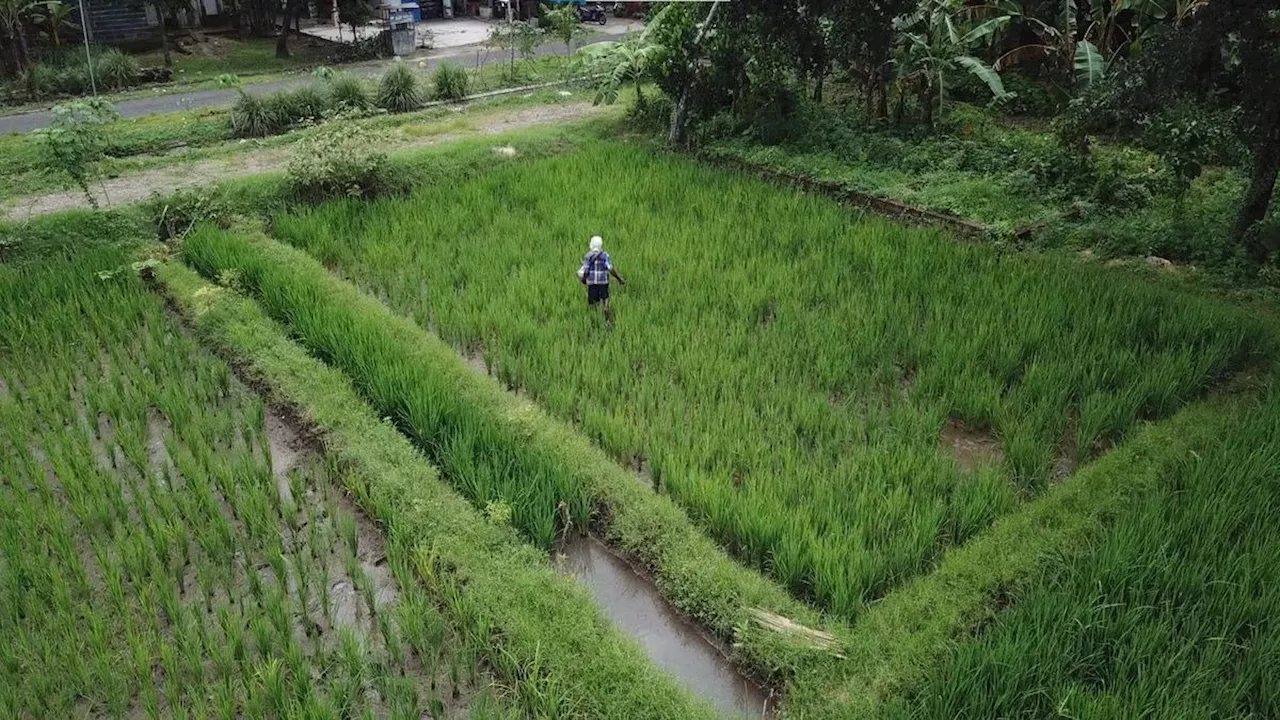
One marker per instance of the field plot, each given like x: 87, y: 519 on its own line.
x: 1171, y: 614
x: 836, y: 400
x: 170, y: 548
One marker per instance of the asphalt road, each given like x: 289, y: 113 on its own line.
x: 468, y: 56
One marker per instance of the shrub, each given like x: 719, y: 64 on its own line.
x: 74, y: 80
x: 116, y: 69
x: 349, y: 91
x: 73, y: 144
x: 40, y: 80
x: 449, y: 82
x: 297, y: 107
x: 251, y: 116
x: 398, y: 90
x: 340, y: 159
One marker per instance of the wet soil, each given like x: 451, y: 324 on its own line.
x: 971, y: 449
x: 636, y: 607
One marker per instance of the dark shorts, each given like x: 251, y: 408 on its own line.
x: 597, y: 293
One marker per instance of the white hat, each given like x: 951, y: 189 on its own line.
x: 597, y: 243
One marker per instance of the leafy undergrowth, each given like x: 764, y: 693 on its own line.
x: 783, y: 368
x: 1171, y: 613
x: 169, y: 550
x: 1122, y: 201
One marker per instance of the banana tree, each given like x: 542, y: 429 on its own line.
x: 13, y: 21
x: 56, y: 15
x: 617, y: 63
x: 937, y: 42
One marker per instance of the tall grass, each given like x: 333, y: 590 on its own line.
x: 782, y: 366
x: 148, y: 561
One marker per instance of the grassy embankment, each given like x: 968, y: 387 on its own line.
x: 783, y: 368
x: 161, y: 556
x: 541, y: 632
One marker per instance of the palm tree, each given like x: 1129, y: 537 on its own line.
x: 619, y: 63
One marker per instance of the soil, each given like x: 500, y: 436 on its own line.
x: 971, y: 448
x: 137, y: 187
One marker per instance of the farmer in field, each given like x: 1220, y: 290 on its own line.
x: 594, y: 273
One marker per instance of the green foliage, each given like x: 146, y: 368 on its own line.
x: 254, y: 116
x: 340, y: 159
x: 561, y: 653
x: 562, y: 21
x: 41, y: 80
x: 115, y: 69
x: 777, y: 355
x: 294, y: 108
x: 398, y: 89
x: 74, y: 143
x: 449, y: 82
x: 349, y: 92
x: 1184, y: 565
x: 1090, y: 67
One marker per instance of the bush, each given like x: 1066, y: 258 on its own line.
x: 449, y: 82
x: 251, y: 116
x: 41, y: 80
x: 398, y: 90
x: 348, y: 91
x: 116, y: 70
x: 74, y: 80
x: 340, y: 159
x: 297, y: 107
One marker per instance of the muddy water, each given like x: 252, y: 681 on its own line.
x: 634, y: 606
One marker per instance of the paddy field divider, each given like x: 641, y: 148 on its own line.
x: 540, y: 632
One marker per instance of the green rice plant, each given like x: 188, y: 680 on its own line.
x: 795, y: 406
x: 398, y: 89
x: 449, y: 82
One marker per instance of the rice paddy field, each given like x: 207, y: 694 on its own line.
x: 884, y: 473
x: 835, y: 399
x: 169, y: 547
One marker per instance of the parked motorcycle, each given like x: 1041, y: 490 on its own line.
x: 591, y: 12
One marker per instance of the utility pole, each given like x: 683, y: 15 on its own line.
x: 88, y: 57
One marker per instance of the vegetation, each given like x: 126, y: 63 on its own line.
x: 1169, y: 613
x: 1066, y: 365
x: 1187, y: 82
x: 398, y: 90
x: 539, y: 631
x: 339, y: 160
x: 449, y: 82
x: 185, y: 569
x: 75, y: 142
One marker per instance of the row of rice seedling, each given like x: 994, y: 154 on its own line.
x: 158, y: 560
x: 781, y: 366
x: 490, y: 443
x: 1172, y: 612
x: 540, y: 632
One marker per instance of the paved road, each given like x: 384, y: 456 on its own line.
x: 470, y: 56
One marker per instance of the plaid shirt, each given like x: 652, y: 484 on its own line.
x: 596, y: 267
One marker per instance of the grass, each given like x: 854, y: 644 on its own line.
x: 541, y: 632
x: 158, y: 559
x: 781, y: 367
x: 220, y: 55
x: 1171, y: 612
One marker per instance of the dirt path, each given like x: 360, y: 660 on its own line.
x: 133, y: 188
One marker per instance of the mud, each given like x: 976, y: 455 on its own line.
x: 971, y: 449
x: 286, y: 448
x: 5, y: 393
x: 166, y: 473
x: 672, y: 642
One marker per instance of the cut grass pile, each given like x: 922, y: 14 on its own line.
x: 157, y: 560
x: 783, y: 367
x: 1171, y: 613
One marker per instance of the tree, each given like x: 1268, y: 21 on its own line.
x: 13, y: 18
x: 938, y: 44
x: 56, y: 15
x: 517, y: 36
x: 618, y: 63
x: 564, y: 23
x: 167, y: 11
x: 74, y: 143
